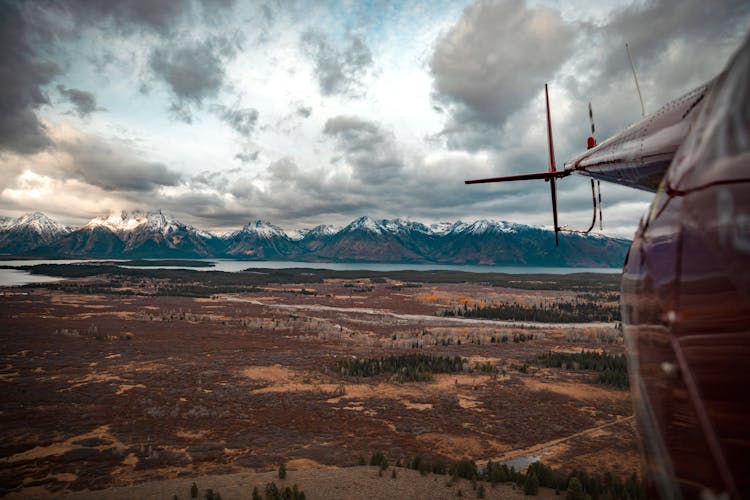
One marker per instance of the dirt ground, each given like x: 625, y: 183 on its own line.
x: 349, y: 482
x: 104, y: 391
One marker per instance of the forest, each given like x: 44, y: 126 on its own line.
x: 578, y: 485
x: 578, y: 311
x: 407, y: 367
x: 612, y: 368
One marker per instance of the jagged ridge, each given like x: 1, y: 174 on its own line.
x: 157, y: 235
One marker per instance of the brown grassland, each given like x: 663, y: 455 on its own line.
x: 150, y: 393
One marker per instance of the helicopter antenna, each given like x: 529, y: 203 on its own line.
x: 637, y: 87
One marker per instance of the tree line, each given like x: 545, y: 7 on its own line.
x: 612, y: 368
x: 578, y: 485
x: 579, y: 311
x: 406, y: 367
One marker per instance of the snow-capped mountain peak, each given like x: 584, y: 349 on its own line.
x: 124, y: 222
x: 264, y: 229
x: 160, y: 222
x: 117, y: 223
x: 483, y: 226
x: 364, y: 223
x: 368, y: 224
x: 28, y: 232
x: 320, y: 231
x: 441, y: 228
x: 158, y: 235
x: 36, y: 222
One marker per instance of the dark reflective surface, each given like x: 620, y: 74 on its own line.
x: 686, y: 305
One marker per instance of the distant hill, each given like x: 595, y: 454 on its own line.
x: 157, y: 235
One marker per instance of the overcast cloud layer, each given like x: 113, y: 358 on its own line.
x: 302, y: 113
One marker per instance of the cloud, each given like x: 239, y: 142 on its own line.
x: 193, y: 71
x: 676, y: 46
x: 114, y: 165
x: 242, y: 120
x: 32, y: 34
x: 371, y: 151
x: 129, y: 14
x: 656, y: 30
x: 84, y: 102
x: 304, y: 111
x: 217, y: 11
x: 21, y: 92
x: 495, y: 59
x: 247, y: 157
x: 339, y: 69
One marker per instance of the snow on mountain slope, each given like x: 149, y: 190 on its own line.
x: 264, y: 229
x: 125, y: 222
x: 158, y: 235
x: 38, y: 223
x: 28, y: 232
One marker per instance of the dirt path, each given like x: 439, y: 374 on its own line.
x: 538, y: 449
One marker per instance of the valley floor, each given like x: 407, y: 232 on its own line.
x: 103, y: 391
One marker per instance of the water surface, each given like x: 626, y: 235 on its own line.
x: 16, y: 277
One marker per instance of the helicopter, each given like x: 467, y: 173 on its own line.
x: 685, y: 290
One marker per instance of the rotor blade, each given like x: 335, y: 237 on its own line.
x: 553, y: 193
x: 522, y: 177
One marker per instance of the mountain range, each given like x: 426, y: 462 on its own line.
x: 158, y: 235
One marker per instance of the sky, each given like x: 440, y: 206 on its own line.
x: 220, y: 112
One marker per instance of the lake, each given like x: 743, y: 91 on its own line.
x: 15, y: 277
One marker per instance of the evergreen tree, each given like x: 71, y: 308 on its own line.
x: 194, y: 490
x: 531, y: 484
x: 272, y: 492
x: 282, y: 471
x: 480, y: 491
x: 379, y: 459
x: 575, y: 490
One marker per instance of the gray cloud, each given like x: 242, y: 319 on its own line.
x: 496, y: 58
x: 30, y: 35
x: 215, y: 180
x: 216, y: 11
x: 339, y: 69
x: 193, y: 71
x: 84, y: 102
x: 677, y: 30
x: 247, y: 157
x: 115, y: 166
x: 676, y: 46
x: 161, y: 17
x: 268, y: 14
x: 129, y: 14
x: 371, y: 151
x: 242, y: 120
x: 23, y: 78
x: 304, y: 111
